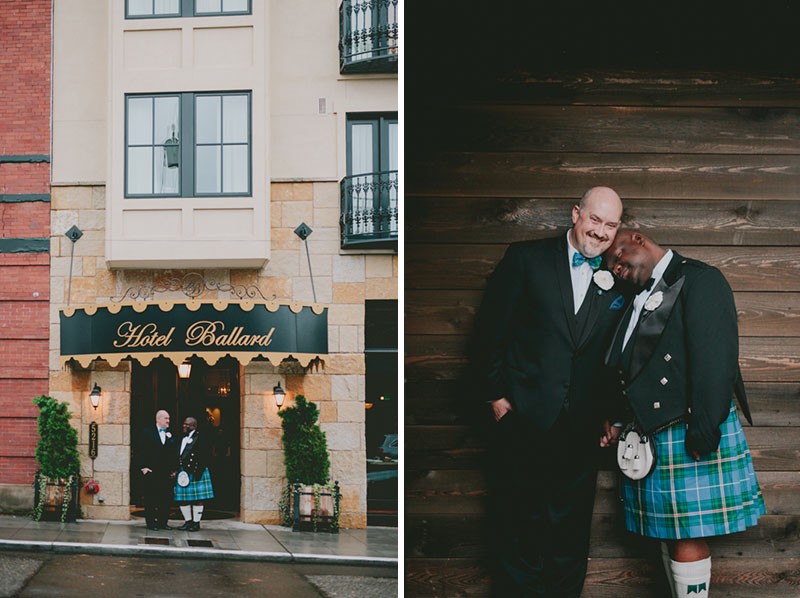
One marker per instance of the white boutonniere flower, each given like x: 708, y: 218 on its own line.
x: 653, y: 301
x: 603, y: 279
x: 168, y: 434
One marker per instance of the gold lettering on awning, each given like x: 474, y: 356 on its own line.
x: 142, y: 335
x: 205, y: 333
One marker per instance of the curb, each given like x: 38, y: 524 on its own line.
x: 192, y: 553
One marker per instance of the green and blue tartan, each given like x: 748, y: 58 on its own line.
x: 683, y: 498
x: 196, y: 490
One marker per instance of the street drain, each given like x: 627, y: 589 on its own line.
x: 200, y: 543
x: 160, y: 541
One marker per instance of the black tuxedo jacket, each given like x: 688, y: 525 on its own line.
x: 529, y: 346
x: 682, y: 361
x: 196, y: 454
x: 161, y: 458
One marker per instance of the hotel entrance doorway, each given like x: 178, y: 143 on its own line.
x: 210, y: 394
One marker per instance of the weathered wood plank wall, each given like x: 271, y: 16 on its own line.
x: 707, y: 163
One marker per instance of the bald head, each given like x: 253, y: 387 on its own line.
x: 602, y: 194
x: 162, y: 418
x: 595, y: 221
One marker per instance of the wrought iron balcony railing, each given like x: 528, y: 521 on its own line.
x: 368, y: 36
x: 369, y: 210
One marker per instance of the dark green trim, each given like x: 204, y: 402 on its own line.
x: 24, y: 158
x: 32, y: 245
x: 24, y: 197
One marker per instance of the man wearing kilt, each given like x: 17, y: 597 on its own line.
x: 677, y: 353
x: 193, y: 459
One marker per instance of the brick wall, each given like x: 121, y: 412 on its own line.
x: 25, y: 81
x: 24, y: 278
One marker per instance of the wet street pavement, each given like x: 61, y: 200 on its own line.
x: 39, y: 574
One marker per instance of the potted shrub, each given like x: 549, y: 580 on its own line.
x: 56, y: 483
x: 310, y: 500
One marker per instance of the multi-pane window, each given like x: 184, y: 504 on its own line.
x: 187, y: 145
x: 186, y: 8
x: 372, y: 161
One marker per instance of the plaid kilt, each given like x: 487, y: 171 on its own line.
x: 196, y: 490
x: 683, y: 498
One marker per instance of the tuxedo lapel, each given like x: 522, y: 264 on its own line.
x: 565, y: 285
x: 651, y: 323
x: 614, y: 352
x: 189, y: 446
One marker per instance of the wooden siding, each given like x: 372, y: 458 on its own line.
x: 707, y: 163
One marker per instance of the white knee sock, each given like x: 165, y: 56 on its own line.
x: 667, y: 562
x: 198, y: 512
x: 186, y: 511
x: 692, y: 579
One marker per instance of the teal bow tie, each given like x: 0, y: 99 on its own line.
x: 578, y: 259
x: 162, y: 429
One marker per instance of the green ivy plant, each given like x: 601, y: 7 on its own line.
x: 56, y: 452
x: 305, y: 450
x: 316, y: 518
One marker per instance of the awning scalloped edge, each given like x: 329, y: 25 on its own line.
x: 166, y: 306
x: 177, y: 357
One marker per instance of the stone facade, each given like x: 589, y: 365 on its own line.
x: 342, y: 282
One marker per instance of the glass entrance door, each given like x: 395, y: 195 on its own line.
x: 211, y: 394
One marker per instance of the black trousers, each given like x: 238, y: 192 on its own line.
x: 542, y: 488
x: 157, y: 491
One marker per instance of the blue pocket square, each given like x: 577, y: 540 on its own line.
x: 618, y: 303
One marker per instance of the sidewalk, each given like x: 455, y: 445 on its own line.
x: 218, y: 539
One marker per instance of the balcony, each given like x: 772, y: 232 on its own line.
x: 368, y: 36
x: 369, y: 211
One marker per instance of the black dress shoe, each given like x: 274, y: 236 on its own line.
x: 152, y: 528
x: 166, y: 526
x: 195, y: 527
x: 187, y: 526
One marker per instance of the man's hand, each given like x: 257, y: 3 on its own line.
x: 146, y: 470
x: 500, y: 408
x: 692, y: 452
x: 610, y: 435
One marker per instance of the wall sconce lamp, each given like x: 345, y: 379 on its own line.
x: 279, y: 395
x: 184, y: 370
x: 95, y: 395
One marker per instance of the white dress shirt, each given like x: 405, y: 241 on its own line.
x: 163, y: 435
x: 641, y: 298
x: 581, y: 276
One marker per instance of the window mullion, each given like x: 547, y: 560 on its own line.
x: 187, y: 145
x: 221, y: 141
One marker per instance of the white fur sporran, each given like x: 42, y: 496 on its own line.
x: 636, y: 455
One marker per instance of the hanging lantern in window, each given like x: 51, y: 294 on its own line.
x: 171, y: 150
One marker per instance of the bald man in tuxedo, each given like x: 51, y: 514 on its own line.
x: 540, y: 336
x: 157, y: 462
